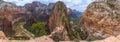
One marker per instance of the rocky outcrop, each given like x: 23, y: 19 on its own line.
x: 58, y: 14
x: 9, y: 15
x: 6, y: 24
x: 59, y: 21
x: 39, y: 39
x: 101, y: 20
x: 48, y: 39
x: 109, y: 39
x: 3, y: 38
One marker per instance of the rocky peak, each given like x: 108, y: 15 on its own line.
x: 59, y: 20
x: 101, y: 19
x: 59, y: 12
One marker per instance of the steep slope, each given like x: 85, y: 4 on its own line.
x: 58, y: 24
x: 5, y: 10
x: 101, y: 19
x: 59, y: 12
x: 9, y: 15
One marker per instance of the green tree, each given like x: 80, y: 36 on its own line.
x: 38, y: 29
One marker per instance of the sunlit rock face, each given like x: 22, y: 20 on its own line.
x: 5, y: 10
x: 9, y: 15
x: 59, y: 21
x: 101, y: 20
x: 59, y: 12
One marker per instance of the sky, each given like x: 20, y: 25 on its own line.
x: 79, y: 5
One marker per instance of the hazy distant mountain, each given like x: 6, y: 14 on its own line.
x: 74, y: 13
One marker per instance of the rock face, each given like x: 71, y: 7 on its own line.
x: 39, y: 39
x: 7, y: 26
x: 59, y: 15
x: 101, y: 20
x: 5, y: 10
x: 2, y: 35
x: 9, y: 15
x: 40, y: 11
x: 3, y: 38
x: 59, y: 21
x: 47, y: 39
x: 109, y: 39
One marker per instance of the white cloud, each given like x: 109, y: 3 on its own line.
x: 74, y: 4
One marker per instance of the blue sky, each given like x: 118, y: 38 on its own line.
x: 79, y: 5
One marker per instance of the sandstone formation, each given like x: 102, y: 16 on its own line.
x: 8, y: 16
x: 59, y: 21
x: 101, y: 20
x: 3, y: 38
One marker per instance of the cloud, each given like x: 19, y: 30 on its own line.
x: 79, y: 5
x: 20, y: 2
